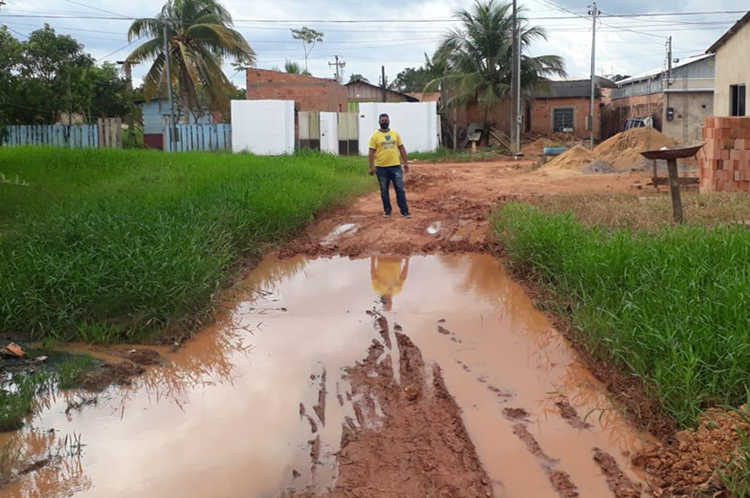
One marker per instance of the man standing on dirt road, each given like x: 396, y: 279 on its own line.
x: 387, y: 152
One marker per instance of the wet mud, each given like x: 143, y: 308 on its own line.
x: 332, y: 397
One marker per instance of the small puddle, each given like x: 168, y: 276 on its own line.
x: 238, y: 410
x: 346, y: 228
x: 434, y: 228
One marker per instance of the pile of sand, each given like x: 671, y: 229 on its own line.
x: 623, y: 151
x: 572, y: 159
x: 536, y: 148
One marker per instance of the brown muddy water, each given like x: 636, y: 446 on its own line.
x: 232, y: 412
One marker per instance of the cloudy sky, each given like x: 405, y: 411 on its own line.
x: 624, y: 45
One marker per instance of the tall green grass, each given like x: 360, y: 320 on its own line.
x: 108, y: 245
x: 672, y: 306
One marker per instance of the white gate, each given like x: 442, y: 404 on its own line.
x: 329, y: 133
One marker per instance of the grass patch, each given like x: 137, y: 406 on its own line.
x: 445, y: 155
x: 648, y: 212
x: 114, y: 245
x: 669, y: 305
x: 72, y: 369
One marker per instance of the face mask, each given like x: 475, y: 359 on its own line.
x: 384, y: 125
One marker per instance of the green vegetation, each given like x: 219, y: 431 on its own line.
x: 112, y: 245
x: 72, y: 369
x: 446, y: 155
x: 670, y: 305
x: 16, y: 399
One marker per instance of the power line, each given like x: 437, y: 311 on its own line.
x: 94, y: 8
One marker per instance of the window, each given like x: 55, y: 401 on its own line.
x: 737, y: 100
x: 562, y: 119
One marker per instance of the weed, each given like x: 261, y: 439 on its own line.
x: 12, y: 457
x: 736, y: 474
x: 16, y: 398
x: 72, y: 370
x: 670, y: 305
x: 110, y: 245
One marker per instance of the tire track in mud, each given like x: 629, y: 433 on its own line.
x: 416, y: 445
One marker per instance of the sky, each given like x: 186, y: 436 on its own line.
x: 629, y: 45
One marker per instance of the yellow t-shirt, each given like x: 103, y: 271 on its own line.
x: 385, y: 145
x: 388, y: 281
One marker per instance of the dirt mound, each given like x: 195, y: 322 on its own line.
x: 111, y: 373
x: 573, y: 159
x: 689, y: 464
x: 623, y: 151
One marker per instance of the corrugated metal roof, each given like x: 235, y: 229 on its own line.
x: 658, y: 71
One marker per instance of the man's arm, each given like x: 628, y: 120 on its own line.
x: 404, y: 159
x: 371, y: 161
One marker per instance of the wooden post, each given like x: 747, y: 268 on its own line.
x: 674, y: 186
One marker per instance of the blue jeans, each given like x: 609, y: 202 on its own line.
x: 396, y: 175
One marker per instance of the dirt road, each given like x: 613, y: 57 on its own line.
x: 450, y: 203
x: 399, y: 371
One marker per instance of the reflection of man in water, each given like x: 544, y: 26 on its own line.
x: 388, y: 276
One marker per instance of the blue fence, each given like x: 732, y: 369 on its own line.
x: 76, y: 136
x: 199, y: 137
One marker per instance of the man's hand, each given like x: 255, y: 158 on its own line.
x: 406, y: 167
x: 372, y: 171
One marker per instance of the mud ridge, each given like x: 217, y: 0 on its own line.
x: 618, y: 482
x: 571, y: 415
x: 420, y: 448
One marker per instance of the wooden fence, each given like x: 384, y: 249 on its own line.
x: 199, y: 137
x: 106, y: 133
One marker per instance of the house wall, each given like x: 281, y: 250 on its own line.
x: 690, y: 112
x: 732, y: 68
x: 725, y: 158
x: 307, y: 92
x: 155, y: 117
x: 542, y: 115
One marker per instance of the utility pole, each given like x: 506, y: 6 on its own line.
x: 383, y: 82
x: 169, y: 89
x: 338, y: 65
x: 515, y: 87
x: 592, y: 112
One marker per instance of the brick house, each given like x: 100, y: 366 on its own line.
x: 680, y: 103
x: 563, y: 107
x: 308, y: 92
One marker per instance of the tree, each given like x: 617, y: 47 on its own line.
x: 416, y: 79
x: 619, y: 77
x: 309, y: 38
x: 478, y: 56
x: 10, y: 56
x: 356, y: 77
x: 199, y: 36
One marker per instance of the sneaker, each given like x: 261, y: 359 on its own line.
x: 406, y: 215
x: 386, y: 215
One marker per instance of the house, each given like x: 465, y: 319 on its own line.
x: 564, y: 106
x: 732, y: 69
x: 361, y: 91
x: 156, y: 115
x: 308, y: 92
x: 680, y: 102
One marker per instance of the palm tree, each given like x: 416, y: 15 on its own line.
x: 199, y: 36
x: 292, y: 67
x: 478, y: 56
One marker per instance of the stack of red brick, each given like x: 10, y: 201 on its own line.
x: 725, y: 159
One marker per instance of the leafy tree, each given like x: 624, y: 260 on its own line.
x: 619, y: 77
x: 309, y: 38
x: 478, y: 56
x: 10, y: 55
x: 356, y: 77
x: 415, y: 79
x: 200, y: 35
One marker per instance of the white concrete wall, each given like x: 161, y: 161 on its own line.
x: 263, y: 127
x: 415, y: 121
x: 329, y: 132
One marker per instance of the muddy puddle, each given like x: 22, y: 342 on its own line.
x: 262, y: 401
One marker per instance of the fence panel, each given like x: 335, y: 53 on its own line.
x: 199, y: 137
x: 75, y: 136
